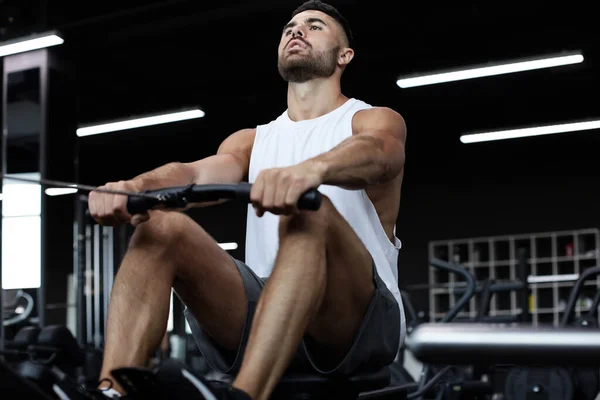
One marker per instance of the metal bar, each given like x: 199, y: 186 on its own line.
x: 107, y: 268
x: 484, y: 301
x: 43, y: 167
x: 494, y: 287
x: 523, y: 294
x: 482, y: 344
x: 2, y: 169
x: 490, y: 319
x: 79, y: 270
x: 111, y: 266
x: 81, y: 298
x: 89, y: 315
x: 97, y: 266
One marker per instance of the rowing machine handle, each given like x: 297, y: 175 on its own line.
x: 310, y: 200
x: 139, y: 205
x: 178, y: 197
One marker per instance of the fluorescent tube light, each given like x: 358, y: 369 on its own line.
x: 59, y: 191
x: 552, y: 278
x: 478, y: 72
x: 228, y: 246
x: 22, y: 45
x: 139, y: 122
x: 533, y: 131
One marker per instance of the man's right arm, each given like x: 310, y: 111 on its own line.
x: 229, y: 165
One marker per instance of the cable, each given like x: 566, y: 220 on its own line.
x: 429, y: 384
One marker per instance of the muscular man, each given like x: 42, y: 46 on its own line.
x: 318, y: 289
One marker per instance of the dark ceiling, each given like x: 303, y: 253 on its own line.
x: 134, y: 57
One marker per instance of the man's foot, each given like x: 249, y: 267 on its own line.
x: 105, y: 388
x: 68, y: 389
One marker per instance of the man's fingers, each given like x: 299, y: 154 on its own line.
x: 279, y: 202
x: 291, y: 199
x: 256, y: 193
x: 268, y: 195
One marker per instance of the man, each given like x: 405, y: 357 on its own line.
x: 331, y: 301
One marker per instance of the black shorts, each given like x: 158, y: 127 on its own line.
x: 375, y: 345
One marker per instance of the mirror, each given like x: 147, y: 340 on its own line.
x: 21, y: 208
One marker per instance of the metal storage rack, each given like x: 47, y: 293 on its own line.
x: 560, y: 256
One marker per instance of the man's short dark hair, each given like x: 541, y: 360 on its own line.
x: 329, y: 10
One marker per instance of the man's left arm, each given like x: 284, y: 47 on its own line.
x: 373, y: 154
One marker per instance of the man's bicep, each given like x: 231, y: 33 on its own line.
x: 387, y: 128
x: 230, y: 164
x: 239, y: 146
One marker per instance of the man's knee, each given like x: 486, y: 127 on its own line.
x: 313, y: 222
x: 161, y: 232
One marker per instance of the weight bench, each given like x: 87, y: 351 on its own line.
x: 142, y: 383
x: 314, y: 386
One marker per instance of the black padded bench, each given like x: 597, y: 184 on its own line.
x: 313, y: 386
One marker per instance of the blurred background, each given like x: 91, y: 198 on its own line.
x: 474, y: 203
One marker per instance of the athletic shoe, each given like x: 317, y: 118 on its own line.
x: 173, y: 380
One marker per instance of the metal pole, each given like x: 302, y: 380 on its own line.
x: 107, y: 268
x: 523, y: 294
x: 79, y: 265
x: 97, y: 292
x: 3, y: 170
x: 88, y: 286
x: 43, y: 167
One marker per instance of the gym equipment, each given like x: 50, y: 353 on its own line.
x: 541, y: 374
x: 457, y: 380
x: 12, y: 386
x: 17, y: 307
x: 586, y: 380
x: 452, y: 382
x: 45, y: 355
x: 551, y: 384
x: 489, y: 344
x: 291, y: 386
x: 574, y: 295
x: 571, y: 382
x: 488, y: 288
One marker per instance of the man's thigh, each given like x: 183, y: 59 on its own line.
x: 208, y: 282
x: 349, y: 289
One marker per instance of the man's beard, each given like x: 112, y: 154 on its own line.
x: 305, y: 68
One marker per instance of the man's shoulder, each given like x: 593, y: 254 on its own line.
x: 379, y: 111
x: 378, y: 115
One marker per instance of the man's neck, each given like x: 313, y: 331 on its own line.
x: 314, y: 98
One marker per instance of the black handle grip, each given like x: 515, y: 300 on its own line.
x: 139, y: 205
x: 310, y: 200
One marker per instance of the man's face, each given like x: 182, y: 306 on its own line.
x: 309, y: 47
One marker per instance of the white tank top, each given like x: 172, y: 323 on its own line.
x: 284, y: 142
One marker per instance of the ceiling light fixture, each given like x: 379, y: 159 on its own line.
x: 29, y: 43
x: 139, y: 122
x: 533, y: 131
x: 490, y: 70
